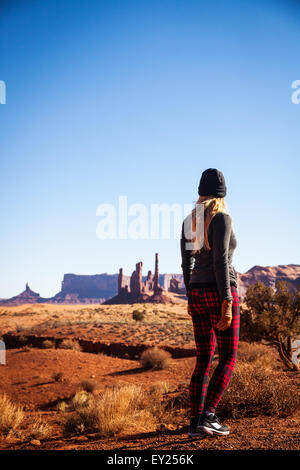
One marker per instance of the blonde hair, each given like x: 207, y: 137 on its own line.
x: 212, y: 205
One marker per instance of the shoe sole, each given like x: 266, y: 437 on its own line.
x: 197, y: 435
x: 214, y: 431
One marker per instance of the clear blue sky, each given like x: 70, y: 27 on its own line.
x: 137, y: 98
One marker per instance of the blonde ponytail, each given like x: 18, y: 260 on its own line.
x: 212, y: 205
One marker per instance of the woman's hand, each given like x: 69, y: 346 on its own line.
x: 226, y: 316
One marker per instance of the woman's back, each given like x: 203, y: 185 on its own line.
x: 213, y: 266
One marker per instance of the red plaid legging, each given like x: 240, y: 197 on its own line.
x: 205, y: 309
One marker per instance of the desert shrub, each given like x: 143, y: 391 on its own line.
x: 256, y: 353
x: 48, y: 344
x: 81, y: 399
x: 252, y: 392
x: 79, y: 421
x: 88, y: 385
x: 58, y: 376
x: 40, y: 430
x: 273, y: 315
x: 11, y: 415
x: 155, y: 358
x: 70, y: 344
x: 255, y: 391
x: 138, y: 315
x: 179, y: 401
x: 80, y: 416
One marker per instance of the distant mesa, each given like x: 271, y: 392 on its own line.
x: 121, y: 289
x: 268, y: 275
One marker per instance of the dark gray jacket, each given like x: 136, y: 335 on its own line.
x: 212, y: 266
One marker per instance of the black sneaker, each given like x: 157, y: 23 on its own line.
x: 211, y: 425
x: 194, y: 430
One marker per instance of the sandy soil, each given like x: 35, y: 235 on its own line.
x: 163, y: 323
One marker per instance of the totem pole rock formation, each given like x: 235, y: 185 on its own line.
x: 136, y: 280
x: 138, y: 290
x: 155, y: 279
x: 157, y: 289
x: 120, y: 280
x: 148, y: 285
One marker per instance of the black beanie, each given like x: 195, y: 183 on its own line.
x: 212, y: 183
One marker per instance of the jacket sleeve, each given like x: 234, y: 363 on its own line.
x: 187, y: 260
x: 222, y: 227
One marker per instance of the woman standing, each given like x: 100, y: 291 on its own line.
x: 213, y: 301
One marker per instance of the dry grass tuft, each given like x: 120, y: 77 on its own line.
x: 155, y: 358
x: 255, y: 353
x: 121, y: 407
x: 40, y: 430
x: 70, y: 344
x: 48, y: 344
x: 81, y: 399
x: 11, y: 415
x: 62, y: 406
x: 160, y: 388
x: 116, y: 408
x: 78, y: 422
x: 255, y: 391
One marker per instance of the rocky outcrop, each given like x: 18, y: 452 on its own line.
x: 139, y: 290
x: 136, y: 281
x: 176, y: 286
x: 165, y: 280
x: 28, y: 296
x: 119, y: 288
x: 149, y: 282
x: 268, y: 275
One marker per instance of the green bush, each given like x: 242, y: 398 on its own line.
x: 273, y: 315
x: 138, y: 315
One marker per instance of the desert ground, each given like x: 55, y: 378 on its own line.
x: 70, y: 368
